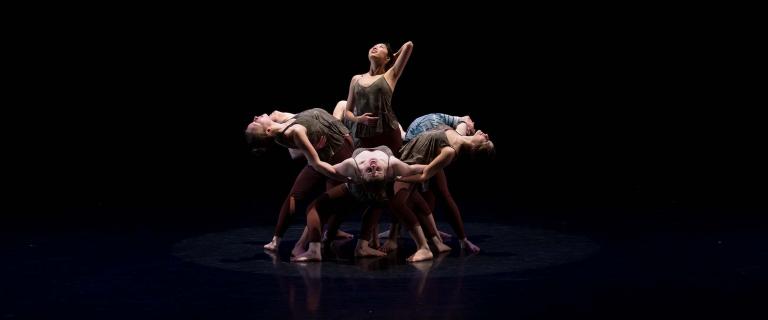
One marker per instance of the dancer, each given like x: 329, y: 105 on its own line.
x: 302, y: 132
x: 369, y: 102
x: 368, y: 171
x: 437, y: 149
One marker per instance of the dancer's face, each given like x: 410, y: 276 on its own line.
x: 480, y: 137
x: 379, y: 53
x: 373, y: 169
x: 259, y: 125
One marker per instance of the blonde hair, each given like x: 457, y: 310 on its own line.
x: 485, y: 149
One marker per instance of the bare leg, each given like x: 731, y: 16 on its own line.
x: 426, y: 206
x: 441, y: 247
x: 422, y: 249
x: 369, y: 224
x: 391, y: 243
x: 301, y: 243
x: 375, y: 239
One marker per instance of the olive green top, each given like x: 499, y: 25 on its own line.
x: 425, y: 147
x: 375, y: 99
x: 319, y: 123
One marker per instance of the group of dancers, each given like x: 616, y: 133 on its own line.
x: 368, y: 162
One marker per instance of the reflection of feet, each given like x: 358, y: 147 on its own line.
x: 311, y: 274
x: 438, y: 258
x: 471, y: 247
x: 389, y: 245
x: 420, y: 255
x: 363, y: 250
x: 370, y: 264
x: 343, y: 235
x: 444, y: 236
x: 309, y: 270
x: 439, y: 245
x: 423, y: 266
x: 311, y: 255
x: 273, y: 255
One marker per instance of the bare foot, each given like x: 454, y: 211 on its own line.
x: 420, y: 255
x: 384, y: 234
x: 298, y: 250
x: 363, y: 250
x: 444, y: 236
x: 471, y: 247
x: 343, y: 235
x: 389, y: 245
x: 439, y: 245
x: 273, y: 245
x: 311, y: 255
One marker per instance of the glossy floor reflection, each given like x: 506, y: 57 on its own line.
x: 504, y: 248
x: 153, y: 274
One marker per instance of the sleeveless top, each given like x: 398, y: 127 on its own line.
x: 425, y: 147
x: 375, y: 195
x: 319, y: 123
x: 377, y: 100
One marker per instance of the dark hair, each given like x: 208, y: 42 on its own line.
x: 257, y: 145
x: 390, y: 55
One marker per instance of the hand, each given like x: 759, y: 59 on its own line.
x: 470, y: 125
x: 367, y: 119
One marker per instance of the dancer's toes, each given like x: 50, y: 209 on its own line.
x: 420, y: 255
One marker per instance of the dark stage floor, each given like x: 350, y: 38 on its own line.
x: 526, y: 269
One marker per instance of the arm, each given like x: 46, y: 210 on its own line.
x: 349, y: 114
x: 441, y: 161
x: 466, y: 126
x: 296, y: 154
x: 401, y: 58
x: 462, y: 128
x: 299, y: 134
x: 346, y: 169
x: 400, y: 168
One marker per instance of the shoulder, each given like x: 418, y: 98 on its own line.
x: 295, y: 129
x: 448, y: 150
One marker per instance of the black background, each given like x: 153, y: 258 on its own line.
x: 139, y: 119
